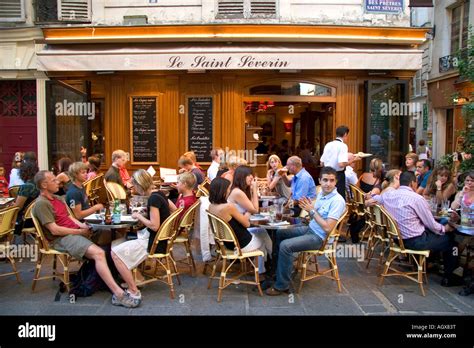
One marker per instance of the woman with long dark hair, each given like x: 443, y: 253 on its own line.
x: 28, y: 192
x: 245, y: 197
x: 440, y: 185
x: 240, y: 222
x: 63, y: 176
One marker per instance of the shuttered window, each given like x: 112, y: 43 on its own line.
x: 12, y: 11
x: 262, y: 7
x: 230, y: 8
x: 246, y: 8
x: 63, y: 11
x: 74, y: 10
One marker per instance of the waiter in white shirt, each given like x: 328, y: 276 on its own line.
x: 217, y: 156
x: 336, y: 155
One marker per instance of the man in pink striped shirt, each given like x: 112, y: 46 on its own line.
x: 417, y: 226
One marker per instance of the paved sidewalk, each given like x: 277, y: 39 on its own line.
x: 360, y: 296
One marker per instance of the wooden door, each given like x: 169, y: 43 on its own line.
x: 449, y: 131
x: 17, y: 120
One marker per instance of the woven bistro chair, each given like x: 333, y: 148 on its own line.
x: 88, y: 185
x: 28, y: 231
x: 203, y: 189
x: 46, y: 250
x: 166, y: 232
x: 7, y: 227
x: 378, y: 237
x: 224, y: 233
x: 328, y: 250
x: 184, y: 232
x: 115, y: 191
x: 359, y: 208
x: 13, y: 191
x: 397, y: 249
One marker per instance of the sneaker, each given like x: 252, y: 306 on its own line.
x: 275, y: 292
x: 137, y: 296
x: 452, y: 281
x: 467, y: 291
x: 126, y: 300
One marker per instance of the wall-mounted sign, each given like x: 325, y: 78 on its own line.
x: 383, y: 6
x: 200, y: 114
x: 144, y: 129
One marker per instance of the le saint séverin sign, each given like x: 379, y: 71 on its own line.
x: 229, y: 62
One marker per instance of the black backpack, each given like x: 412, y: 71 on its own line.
x: 87, y: 281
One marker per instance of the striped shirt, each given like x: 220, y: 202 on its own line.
x: 411, y: 212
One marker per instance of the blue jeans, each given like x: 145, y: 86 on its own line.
x: 436, y: 243
x: 288, y: 242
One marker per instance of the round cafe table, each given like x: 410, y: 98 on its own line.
x: 467, y: 231
x: 272, y: 229
x: 96, y: 223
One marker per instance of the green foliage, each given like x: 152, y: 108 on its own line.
x: 446, y: 160
x: 466, y: 71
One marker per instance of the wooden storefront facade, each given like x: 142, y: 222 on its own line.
x: 229, y: 89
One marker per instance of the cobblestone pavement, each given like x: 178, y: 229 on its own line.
x: 360, y: 296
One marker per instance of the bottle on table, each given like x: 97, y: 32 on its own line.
x: 465, y: 213
x: 108, y: 215
x: 116, y: 212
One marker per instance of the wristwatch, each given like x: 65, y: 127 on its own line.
x: 312, y: 212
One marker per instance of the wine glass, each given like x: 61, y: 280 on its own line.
x: 272, y: 212
x: 102, y: 215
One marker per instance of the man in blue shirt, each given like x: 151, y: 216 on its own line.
x: 423, y: 168
x: 325, y: 213
x: 302, y: 183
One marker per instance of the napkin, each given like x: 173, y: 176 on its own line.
x: 281, y: 223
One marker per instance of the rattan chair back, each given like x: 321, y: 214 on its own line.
x: 223, y: 233
x: 167, y: 231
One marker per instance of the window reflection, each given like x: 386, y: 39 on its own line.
x: 293, y: 88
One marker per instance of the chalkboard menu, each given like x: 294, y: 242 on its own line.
x: 144, y: 131
x: 200, y: 127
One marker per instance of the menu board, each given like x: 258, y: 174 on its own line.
x: 200, y: 127
x: 144, y: 135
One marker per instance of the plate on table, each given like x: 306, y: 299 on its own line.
x: 280, y: 223
x: 258, y: 217
x: 93, y: 219
x: 127, y: 218
x: 6, y: 200
x: 269, y: 197
x: 363, y: 155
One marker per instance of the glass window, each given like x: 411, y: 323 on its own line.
x: 293, y: 88
x: 416, y: 84
x: 459, y: 27
x: 74, y: 121
x: 387, y: 122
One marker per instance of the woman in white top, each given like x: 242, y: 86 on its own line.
x: 422, y: 150
x: 245, y: 197
x: 15, y: 179
x: 273, y: 178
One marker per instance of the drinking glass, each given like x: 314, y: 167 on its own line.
x: 102, y: 215
x: 272, y: 212
x: 444, y: 207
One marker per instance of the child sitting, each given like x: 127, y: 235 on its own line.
x: 3, y: 183
x: 186, y: 198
